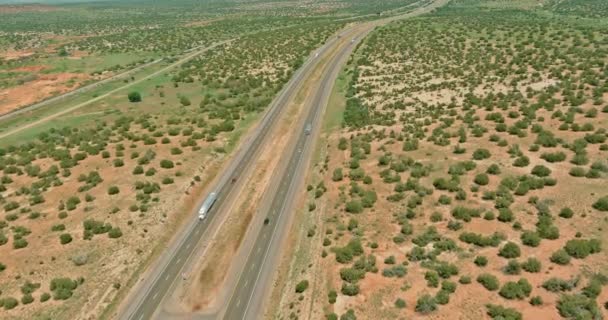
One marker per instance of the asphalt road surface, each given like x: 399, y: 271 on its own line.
x: 247, y: 299
x: 149, y: 298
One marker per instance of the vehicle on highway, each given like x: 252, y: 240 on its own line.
x: 308, y: 129
x: 266, y: 221
x: 207, y: 204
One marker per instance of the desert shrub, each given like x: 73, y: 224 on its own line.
x: 601, y: 204
x: 45, y: 297
x: 559, y: 285
x: 536, y: 301
x: 488, y: 281
x: 566, y: 213
x: 115, y: 233
x: 400, y: 303
x: 541, y: 171
x: 516, y: 290
x: 497, y: 312
x: 481, y: 154
x: 65, y: 238
x: 20, y: 243
x: 577, y: 172
x: 480, y: 261
x: 512, y: 268
x: 531, y: 265
x: 560, y: 257
x: 113, y: 190
x: 580, y: 248
x: 134, y: 96
x: 578, y: 306
x: 509, y: 251
x: 530, y: 238
x: 482, y: 179
x: 166, y: 164
x: 354, y: 206
x: 63, y: 288
x: 302, y: 286
x: 350, y: 289
x: 553, y: 156
x: 426, y: 304
x: 9, y: 303
x: 337, y: 175
x: 138, y: 170
x: 493, y: 169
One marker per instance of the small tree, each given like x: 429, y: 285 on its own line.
x: 302, y: 286
x: 134, y: 96
x: 65, y: 238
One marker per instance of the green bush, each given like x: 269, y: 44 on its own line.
x: 113, y: 190
x: 497, y: 312
x: 481, y: 261
x: 489, y: 281
x: 560, y: 257
x: 9, y: 303
x: 516, y: 290
x: 166, y: 164
x: 115, y: 233
x: 601, y: 204
x: 134, y: 96
x: 577, y: 172
x: 536, y: 301
x: 65, y: 238
x: 541, y: 171
x: 509, y: 251
x: 426, y: 304
x: 481, y: 154
x: 580, y: 248
x: 578, y: 306
x: 482, y: 179
x: 531, y: 265
x: 530, y: 238
x: 566, y: 213
x: 302, y: 286
x: 400, y: 303
x: 559, y: 285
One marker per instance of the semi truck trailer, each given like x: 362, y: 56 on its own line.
x: 207, y: 204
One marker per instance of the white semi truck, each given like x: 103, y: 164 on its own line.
x: 207, y: 204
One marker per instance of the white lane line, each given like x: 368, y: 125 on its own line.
x: 155, y: 295
x: 178, y: 260
x: 252, y: 266
x: 246, y: 283
x: 238, y: 302
x: 142, y: 316
x: 259, y: 248
x: 167, y: 277
x: 188, y: 246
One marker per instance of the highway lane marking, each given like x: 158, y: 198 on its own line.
x: 155, y: 295
x: 178, y: 260
x: 167, y: 277
x: 142, y: 316
x: 238, y: 303
x: 259, y: 248
x: 188, y: 246
x: 246, y: 283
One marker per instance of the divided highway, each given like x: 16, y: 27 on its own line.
x: 147, y: 300
x: 247, y: 298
